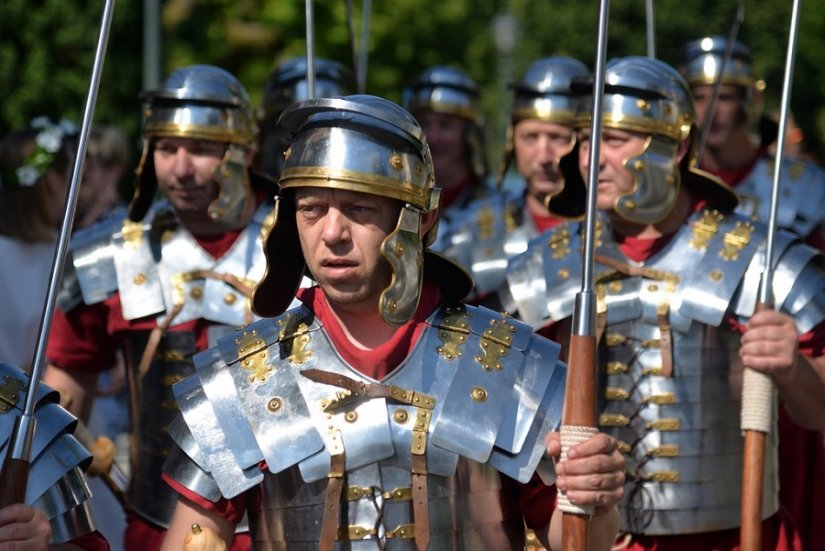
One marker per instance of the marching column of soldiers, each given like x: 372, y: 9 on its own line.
x: 330, y: 326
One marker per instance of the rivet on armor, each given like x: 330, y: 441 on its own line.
x: 653, y: 288
x: 479, y: 394
x: 400, y: 416
x: 139, y: 279
x: 287, y: 153
x: 398, y: 249
x: 639, y: 165
x: 274, y: 405
x: 396, y: 161
x: 563, y: 273
x: 715, y: 275
x: 230, y: 298
x: 196, y: 293
x: 642, y: 104
x: 351, y: 416
x: 393, y: 306
x: 614, y: 286
x: 630, y: 205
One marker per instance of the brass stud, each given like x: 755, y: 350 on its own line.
x: 653, y: 288
x: 230, y: 298
x: 715, y: 275
x: 478, y: 394
x: 639, y: 165
x: 401, y: 416
x: 196, y: 293
x: 139, y: 279
x: 630, y: 205
x: 643, y: 104
x: 564, y: 273
x: 351, y: 416
x: 287, y: 153
x: 614, y: 286
x: 274, y: 405
x: 396, y: 161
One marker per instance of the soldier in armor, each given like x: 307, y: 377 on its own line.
x: 172, y: 277
x: 732, y: 154
x: 540, y: 140
x: 676, y: 274
x: 286, y: 85
x: 383, y: 413
x: 445, y: 102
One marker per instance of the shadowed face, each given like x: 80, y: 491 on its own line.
x: 184, y: 168
x: 539, y: 146
x: 615, y: 180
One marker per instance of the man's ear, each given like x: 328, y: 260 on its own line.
x: 684, y: 148
x: 428, y: 220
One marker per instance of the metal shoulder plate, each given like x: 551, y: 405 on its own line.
x: 90, y: 276
x: 485, y: 234
x: 243, y: 405
x: 160, y: 266
x: 504, y: 393
x: 802, y: 193
x: 542, y: 280
x: 57, y: 461
x: 798, y: 282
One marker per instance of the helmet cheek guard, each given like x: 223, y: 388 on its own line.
x: 368, y: 145
x: 648, y: 96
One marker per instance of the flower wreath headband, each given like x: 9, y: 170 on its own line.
x: 47, y: 143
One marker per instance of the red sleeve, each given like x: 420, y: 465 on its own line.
x: 93, y: 541
x: 537, y: 502
x: 80, y: 340
x: 231, y: 510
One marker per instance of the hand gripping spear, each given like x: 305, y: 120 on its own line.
x: 758, y: 392
x: 15, y: 473
x: 579, y: 415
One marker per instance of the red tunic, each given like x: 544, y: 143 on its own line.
x: 536, y: 500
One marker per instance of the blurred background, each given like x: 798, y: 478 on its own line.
x: 47, y: 46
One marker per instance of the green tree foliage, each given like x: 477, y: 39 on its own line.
x: 46, y: 46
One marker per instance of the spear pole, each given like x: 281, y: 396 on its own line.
x: 14, y: 476
x: 758, y: 391
x: 579, y: 414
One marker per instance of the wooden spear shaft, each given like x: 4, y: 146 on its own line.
x: 758, y: 387
x: 580, y: 391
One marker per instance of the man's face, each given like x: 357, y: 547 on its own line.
x: 184, y: 168
x: 539, y: 146
x: 445, y: 136
x: 341, y: 234
x: 617, y: 146
x: 726, y: 117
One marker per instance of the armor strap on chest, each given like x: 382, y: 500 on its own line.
x: 354, y: 389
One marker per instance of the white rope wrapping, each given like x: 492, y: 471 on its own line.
x: 758, y: 399
x: 570, y: 436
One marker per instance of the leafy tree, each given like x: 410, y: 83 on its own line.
x: 46, y: 46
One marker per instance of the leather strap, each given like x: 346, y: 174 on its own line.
x: 368, y: 390
x: 332, y: 502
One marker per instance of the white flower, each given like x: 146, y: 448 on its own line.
x: 27, y: 175
x: 50, y: 139
x: 41, y: 122
x: 69, y: 127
